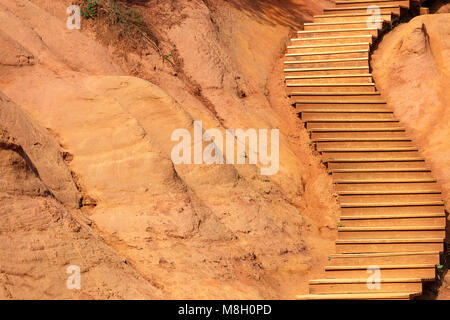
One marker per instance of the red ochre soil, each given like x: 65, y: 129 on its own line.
x: 86, y: 176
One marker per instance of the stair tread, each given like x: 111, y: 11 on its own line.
x: 326, y: 60
x: 405, y: 159
x: 344, y: 181
x: 363, y: 280
x: 364, y: 1
x: 363, y: 7
x: 391, y: 204
x: 356, y: 296
x: 409, y: 228
x: 325, y: 53
x: 382, y: 254
x: 368, y: 149
x: 336, y: 30
x: 352, y: 120
x: 358, y: 140
x: 331, y: 85
x: 355, y: 129
x: 356, y: 75
x: 338, y: 93
x: 394, y: 216
x: 329, y: 45
x: 408, y: 240
x: 387, y: 266
x: 340, y: 22
x: 341, y: 15
x: 333, y: 37
x: 350, y: 111
x: 399, y: 192
x: 324, y: 69
x: 382, y: 170
x: 342, y: 102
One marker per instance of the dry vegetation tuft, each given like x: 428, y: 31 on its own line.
x: 126, y: 22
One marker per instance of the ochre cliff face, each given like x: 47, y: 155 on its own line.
x: 154, y: 228
x: 39, y: 236
x: 412, y: 70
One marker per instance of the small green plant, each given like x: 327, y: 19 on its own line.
x: 340, y: 225
x: 91, y: 11
x: 168, y: 57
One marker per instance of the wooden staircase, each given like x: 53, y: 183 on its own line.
x: 392, y: 210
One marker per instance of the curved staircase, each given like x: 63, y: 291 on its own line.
x: 393, y: 218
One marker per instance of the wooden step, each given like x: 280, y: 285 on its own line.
x: 321, y: 286
x: 390, y: 198
x: 341, y: 102
x: 348, y: 117
x: 346, y: 78
x: 385, y: 180
x: 383, y: 158
x: 388, y: 245
x: 423, y: 271
x: 348, y: 110
x: 327, y: 58
x: 353, y: 125
x: 367, y: 3
x: 358, y: 296
x: 336, y: 96
x: 397, y: 185
x: 342, y: 108
x: 326, y: 39
x: 328, y: 47
x: 326, y: 71
x: 333, y: 142
x: 338, y: 32
x: 390, y: 192
x: 334, y: 139
x: 345, y: 17
x: 384, y: 210
x: 394, y: 174
x: 367, y: 156
x: 391, y: 232
x: 391, y: 205
x: 384, y: 9
x: 331, y: 76
x: 395, y: 165
x: 344, y: 87
x: 353, y: 129
x: 371, y: 170
x: 365, y: 145
x: 321, y: 136
x: 391, y: 220
x: 328, y: 63
x: 335, y: 54
x: 383, y: 145
x: 339, y: 25
x: 389, y: 258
